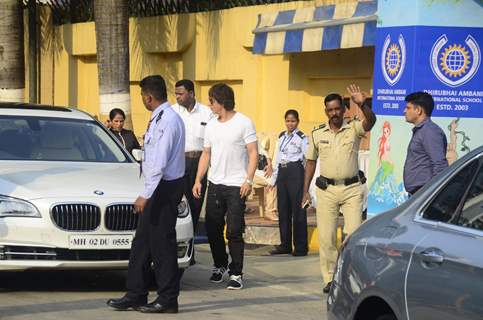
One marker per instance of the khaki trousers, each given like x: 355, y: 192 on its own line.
x: 267, y: 198
x: 335, y: 199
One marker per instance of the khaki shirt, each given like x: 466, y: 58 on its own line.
x: 338, y: 152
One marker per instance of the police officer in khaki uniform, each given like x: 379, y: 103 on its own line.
x: 336, y: 144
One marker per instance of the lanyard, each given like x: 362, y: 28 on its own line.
x: 122, y: 140
x: 282, y: 146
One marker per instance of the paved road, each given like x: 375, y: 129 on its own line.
x: 276, y: 288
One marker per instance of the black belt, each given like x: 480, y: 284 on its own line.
x: 322, y: 182
x: 192, y: 154
x: 346, y: 182
x: 291, y: 163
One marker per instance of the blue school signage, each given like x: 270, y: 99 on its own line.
x: 431, y: 46
x: 445, y: 62
x: 393, y: 58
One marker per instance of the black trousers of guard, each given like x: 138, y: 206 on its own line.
x: 290, y: 184
x: 189, y: 180
x: 155, y: 242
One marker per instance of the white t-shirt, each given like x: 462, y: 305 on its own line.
x: 228, y: 142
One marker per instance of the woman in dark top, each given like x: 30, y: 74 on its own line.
x: 126, y: 137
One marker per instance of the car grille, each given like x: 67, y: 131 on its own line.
x: 121, y: 217
x: 76, y: 217
x: 42, y: 253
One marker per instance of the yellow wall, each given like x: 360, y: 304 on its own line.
x: 207, y: 48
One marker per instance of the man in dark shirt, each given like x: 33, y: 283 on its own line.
x: 426, y: 155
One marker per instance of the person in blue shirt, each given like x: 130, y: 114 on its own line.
x: 289, y: 178
x: 163, y: 169
x: 426, y: 155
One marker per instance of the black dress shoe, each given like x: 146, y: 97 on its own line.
x: 299, y: 253
x: 156, y: 307
x: 125, y: 303
x: 280, y: 250
x: 327, y: 287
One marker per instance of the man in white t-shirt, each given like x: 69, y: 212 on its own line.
x: 230, y: 150
x: 195, y: 118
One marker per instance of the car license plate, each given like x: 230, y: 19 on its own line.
x: 93, y: 241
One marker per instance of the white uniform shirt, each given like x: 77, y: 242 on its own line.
x: 195, y: 124
x: 291, y: 148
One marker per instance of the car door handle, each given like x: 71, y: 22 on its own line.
x: 432, y: 256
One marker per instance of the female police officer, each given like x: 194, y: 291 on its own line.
x: 289, y: 178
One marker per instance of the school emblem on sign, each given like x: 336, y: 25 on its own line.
x: 455, y: 63
x: 393, y: 59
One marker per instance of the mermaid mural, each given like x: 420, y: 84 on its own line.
x: 386, y: 192
x: 385, y: 164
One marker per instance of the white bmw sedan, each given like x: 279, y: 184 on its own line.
x: 67, y: 189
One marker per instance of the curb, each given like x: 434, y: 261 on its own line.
x: 270, y: 235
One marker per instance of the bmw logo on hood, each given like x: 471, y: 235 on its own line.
x: 98, y: 192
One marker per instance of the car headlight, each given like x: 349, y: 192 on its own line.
x: 183, y: 210
x: 12, y: 207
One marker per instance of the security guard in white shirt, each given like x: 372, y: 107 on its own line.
x: 289, y: 178
x: 195, y: 117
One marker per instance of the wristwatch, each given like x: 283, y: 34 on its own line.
x: 250, y: 182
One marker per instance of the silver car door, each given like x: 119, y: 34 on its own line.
x: 445, y: 276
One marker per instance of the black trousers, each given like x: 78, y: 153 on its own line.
x: 290, y: 184
x: 189, y: 180
x: 225, y: 200
x: 155, y: 241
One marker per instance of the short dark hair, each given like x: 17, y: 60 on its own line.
x: 292, y: 112
x: 332, y: 97
x: 114, y: 112
x: 422, y: 99
x: 187, y: 84
x: 224, y: 95
x: 155, y: 86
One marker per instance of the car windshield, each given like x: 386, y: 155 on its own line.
x: 56, y: 139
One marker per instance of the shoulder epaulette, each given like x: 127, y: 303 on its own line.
x: 322, y: 126
x: 301, y: 134
x: 159, y: 116
x: 281, y: 134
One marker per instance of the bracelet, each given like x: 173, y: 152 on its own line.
x: 250, y: 182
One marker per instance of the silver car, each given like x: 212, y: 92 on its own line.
x: 422, y: 260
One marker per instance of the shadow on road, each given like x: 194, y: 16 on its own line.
x: 69, y: 281
x: 92, y: 304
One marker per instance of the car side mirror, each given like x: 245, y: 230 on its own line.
x: 137, y: 154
